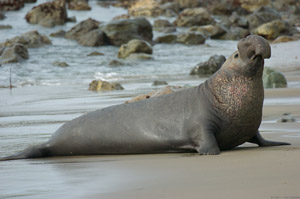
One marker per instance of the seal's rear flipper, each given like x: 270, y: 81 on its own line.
x: 260, y: 141
x: 31, y: 152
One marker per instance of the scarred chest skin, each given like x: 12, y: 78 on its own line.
x: 237, y: 100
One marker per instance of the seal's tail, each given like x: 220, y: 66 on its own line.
x: 31, y: 152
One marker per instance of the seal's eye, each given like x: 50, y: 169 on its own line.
x: 236, y: 55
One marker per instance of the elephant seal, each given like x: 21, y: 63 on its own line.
x: 219, y: 114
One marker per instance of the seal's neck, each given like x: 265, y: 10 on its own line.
x: 235, y: 95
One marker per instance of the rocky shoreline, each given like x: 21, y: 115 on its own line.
x: 195, y: 22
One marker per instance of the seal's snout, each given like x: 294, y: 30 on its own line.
x: 254, y: 46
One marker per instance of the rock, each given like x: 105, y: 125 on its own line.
x: 170, y: 9
x: 162, y: 25
x: 92, y: 38
x: 209, y: 67
x: 32, y: 39
x: 79, y: 5
x: 145, y: 8
x: 139, y: 56
x: 273, y: 79
x: 48, y: 14
x: 163, y: 91
x: 95, y: 53
x: 14, y: 53
x: 60, y: 64
x: 271, y: 30
x: 223, y: 7
x: 170, y: 38
x: 183, y: 4
x: 287, y: 117
x: 30, y: 1
x: 159, y: 83
x: 194, y: 17
x: 123, y: 16
x: 134, y: 46
x: 60, y: 33
x: 82, y: 28
x: 115, y: 63
x: 2, y: 16
x: 237, y: 20
x: 72, y: 19
x: 6, y: 5
x: 99, y: 85
x: 252, y: 5
x: 190, y: 38
x: 121, y: 32
x: 212, y: 31
x: 284, y: 38
x: 234, y: 33
x: 261, y: 16
x: 5, y: 27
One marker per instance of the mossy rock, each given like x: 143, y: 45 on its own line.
x: 99, y: 85
x: 273, y: 79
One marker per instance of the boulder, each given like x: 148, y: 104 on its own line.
x: 183, y: 4
x: 234, y: 33
x: 194, y: 17
x: 163, y: 91
x: 60, y: 64
x: 252, y: 5
x: 92, y: 38
x: 162, y: 25
x: 134, y: 46
x: 48, y: 14
x: 271, y: 30
x: 169, y: 38
x: 139, y: 56
x: 95, y: 53
x: 273, y: 79
x: 159, y: 83
x: 99, y: 85
x: 190, y: 38
x: 82, y: 28
x: 2, y: 16
x: 9, y: 5
x: 60, y: 33
x: 5, y: 27
x: 78, y: 5
x: 31, y: 39
x: 222, y: 7
x: 261, y: 16
x: 237, y: 20
x: 145, y: 8
x: 121, y: 32
x: 212, y: 31
x: 284, y: 38
x: 115, y: 63
x: 209, y: 67
x: 123, y: 16
x: 14, y: 53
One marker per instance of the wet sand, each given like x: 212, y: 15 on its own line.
x: 245, y: 172
x: 30, y: 116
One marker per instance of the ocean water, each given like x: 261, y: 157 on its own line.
x: 46, y: 96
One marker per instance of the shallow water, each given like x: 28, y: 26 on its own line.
x: 47, y: 96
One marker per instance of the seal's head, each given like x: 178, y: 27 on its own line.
x: 250, y: 55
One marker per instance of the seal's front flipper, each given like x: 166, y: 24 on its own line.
x: 260, y: 141
x: 208, y: 144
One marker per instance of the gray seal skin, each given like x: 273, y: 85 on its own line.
x: 220, y: 114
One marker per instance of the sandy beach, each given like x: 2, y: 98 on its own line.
x: 245, y: 172
x: 46, y: 96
